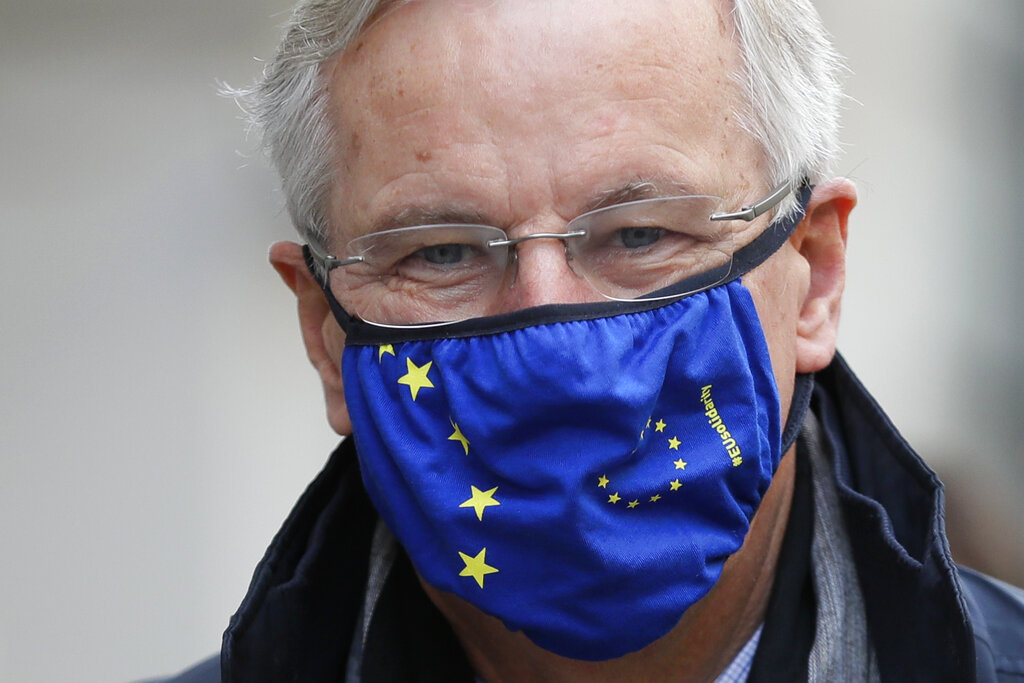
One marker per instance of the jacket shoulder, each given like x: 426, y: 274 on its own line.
x: 997, y: 616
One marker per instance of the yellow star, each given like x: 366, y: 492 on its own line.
x: 674, y: 485
x: 416, y: 377
x: 384, y: 348
x: 633, y: 504
x: 641, y: 433
x: 673, y: 443
x: 477, y: 567
x: 480, y: 500
x: 659, y: 426
x: 655, y: 498
x: 458, y: 436
x: 614, y: 498
x: 680, y: 465
x: 602, y: 481
x: 648, y: 422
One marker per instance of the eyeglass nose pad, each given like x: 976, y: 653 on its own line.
x: 575, y: 264
x: 548, y: 280
x: 511, y: 267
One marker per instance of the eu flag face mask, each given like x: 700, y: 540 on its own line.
x: 582, y: 477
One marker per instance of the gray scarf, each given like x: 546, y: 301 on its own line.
x: 842, y: 650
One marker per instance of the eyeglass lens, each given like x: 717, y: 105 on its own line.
x: 446, y: 273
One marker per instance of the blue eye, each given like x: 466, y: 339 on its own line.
x: 634, y: 238
x: 445, y: 254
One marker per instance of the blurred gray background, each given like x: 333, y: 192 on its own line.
x: 157, y: 414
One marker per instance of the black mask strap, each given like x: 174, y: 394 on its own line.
x: 348, y: 322
x: 803, y: 388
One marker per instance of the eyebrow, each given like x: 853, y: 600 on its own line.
x: 420, y: 215
x: 636, y: 190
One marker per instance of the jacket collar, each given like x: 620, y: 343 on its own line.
x: 297, y: 619
x: 893, y: 508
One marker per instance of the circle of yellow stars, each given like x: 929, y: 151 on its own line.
x: 673, y: 443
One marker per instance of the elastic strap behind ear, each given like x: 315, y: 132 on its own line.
x: 340, y: 314
x: 802, y: 390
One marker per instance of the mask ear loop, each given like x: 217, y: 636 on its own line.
x: 803, y: 388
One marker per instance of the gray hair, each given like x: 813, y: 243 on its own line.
x: 790, y: 84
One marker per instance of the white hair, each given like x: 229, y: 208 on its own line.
x: 790, y: 86
x: 791, y: 89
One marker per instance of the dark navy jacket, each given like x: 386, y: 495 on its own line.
x: 929, y: 620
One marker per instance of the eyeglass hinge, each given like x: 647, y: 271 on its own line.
x: 749, y: 213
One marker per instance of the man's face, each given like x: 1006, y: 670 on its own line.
x: 522, y: 113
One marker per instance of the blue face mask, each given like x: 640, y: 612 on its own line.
x: 581, y: 472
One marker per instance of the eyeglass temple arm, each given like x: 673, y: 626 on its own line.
x: 749, y: 213
x: 329, y: 261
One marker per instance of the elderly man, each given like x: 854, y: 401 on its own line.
x: 572, y: 281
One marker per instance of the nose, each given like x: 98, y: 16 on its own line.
x: 542, y: 275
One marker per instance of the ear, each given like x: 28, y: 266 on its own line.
x: 821, y: 241
x: 321, y: 334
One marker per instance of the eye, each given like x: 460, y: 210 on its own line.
x: 634, y: 238
x: 445, y: 254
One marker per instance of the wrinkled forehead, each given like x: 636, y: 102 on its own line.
x: 552, y: 45
x: 431, y: 86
